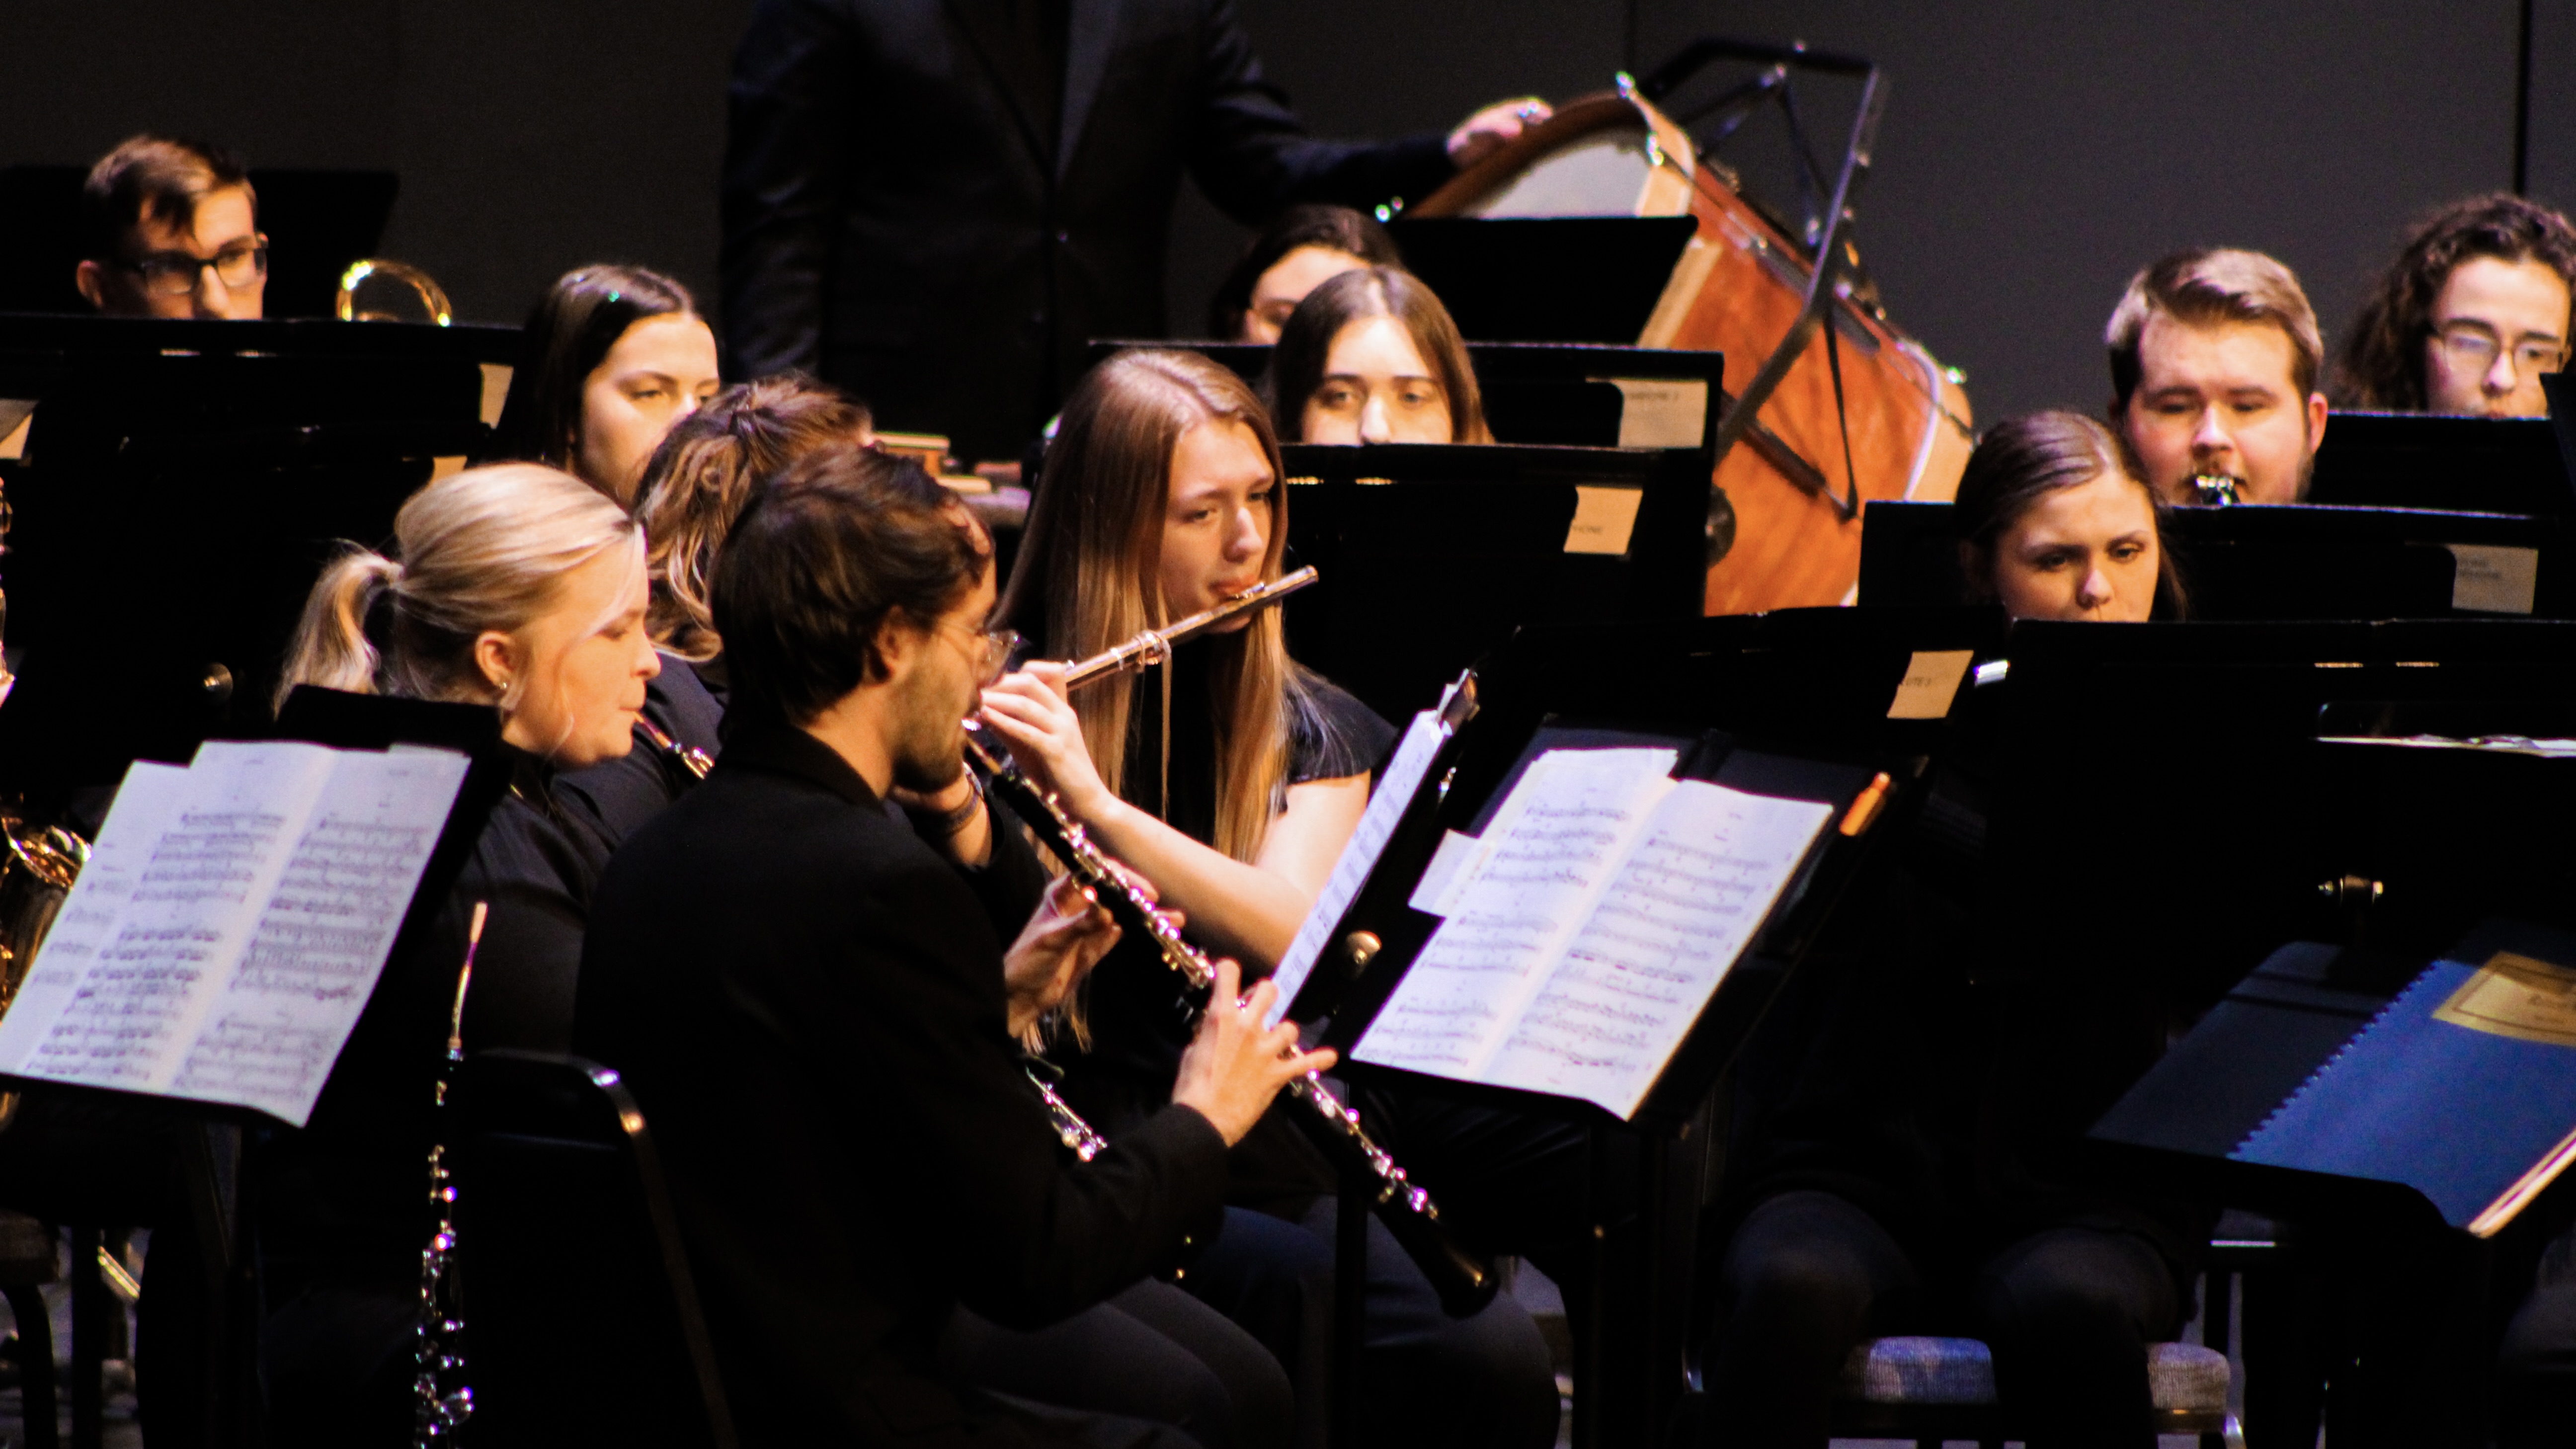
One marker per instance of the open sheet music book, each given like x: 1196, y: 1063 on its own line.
x: 1588, y: 926
x: 231, y: 923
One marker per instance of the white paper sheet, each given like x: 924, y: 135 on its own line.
x: 1395, y: 789
x: 1544, y: 856
x: 232, y: 922
x: 1660, y: 938
x: 1606, y: 906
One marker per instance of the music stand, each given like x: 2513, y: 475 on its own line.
x: 2426, y: 460
x: 1546, y: 279
x: 317, y: 223
x: 1431, y: 554
x: 2300, y: 561
x: 1798, y: 702
x: 184, y: 483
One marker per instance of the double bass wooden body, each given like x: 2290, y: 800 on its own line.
x: 1738, y: 288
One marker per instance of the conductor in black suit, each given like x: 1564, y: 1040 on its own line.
x: 937, y: 203
x: 815, y: 1011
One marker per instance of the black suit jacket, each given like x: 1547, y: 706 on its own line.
x: 808, y: 1004
x: 895, y: 219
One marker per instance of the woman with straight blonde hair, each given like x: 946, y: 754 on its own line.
x: 520, y: 589
x: 1230, y: 778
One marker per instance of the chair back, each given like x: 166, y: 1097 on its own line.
x: 581, y: 1320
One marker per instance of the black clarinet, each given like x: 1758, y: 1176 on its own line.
x: 1465, y: 1282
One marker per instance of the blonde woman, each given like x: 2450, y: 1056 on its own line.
x: 1231, y: 779
x: 519, y: 589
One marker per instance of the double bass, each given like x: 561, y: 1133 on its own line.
x: 1846, y: 408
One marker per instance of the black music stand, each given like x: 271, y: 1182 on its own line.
x: 317, y: 223
x: 204, y: 1261
x: 1801, y: 697
x: 2241, y: 817
x: 1546, y: 279
x: 2289, y: 562
x: 2426, y: 460
x: 183, y: 484
x: 1431, y: 554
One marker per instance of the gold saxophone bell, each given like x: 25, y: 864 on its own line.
x: 37, y: 867
x: 400, y: 292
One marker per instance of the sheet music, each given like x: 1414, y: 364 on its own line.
x: 1545, y: 855
x: 232, y: 922
x: 1395, y: 790
x: 89, y: 913
x: 1660, y: 937
x: 313, y: 956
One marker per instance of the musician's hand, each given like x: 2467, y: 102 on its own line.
x: 1064, y: 939
x: 1029, y: 711
x: 1484, y: 133
x: 1233, y: 1067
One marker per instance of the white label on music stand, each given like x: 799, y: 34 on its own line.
x: 1931, y: 683
x: 1661, y: 412
x: 2494, y: 579
x: 1603, y: 519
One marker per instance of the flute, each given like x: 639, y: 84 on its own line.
x: 1154, y: 646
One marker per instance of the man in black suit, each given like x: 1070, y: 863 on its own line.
x: 817, y: 1014
x: 937, y: 203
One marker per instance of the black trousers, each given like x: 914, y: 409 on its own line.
x: 1153, y: 1353
x: 2536, y: 1371
x: 1427, y: 1380
x: 1808, y: 1276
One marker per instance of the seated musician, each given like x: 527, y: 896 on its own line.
x: 817, y: 1015
x: 2470, y: 314
x: 520, y: 588
x: 170, y: 228
x: 1233, y: 793
x: 2053, y: 524
x: 611, y: 358
x: 1372, y: 357
x: 1888, y: 1169
x: 2214, y: 368
x: 1303, y: 248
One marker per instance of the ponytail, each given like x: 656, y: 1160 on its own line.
x: 331, y: 647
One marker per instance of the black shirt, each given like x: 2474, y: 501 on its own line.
x: 808, y: 1004
x: 1132, y: 997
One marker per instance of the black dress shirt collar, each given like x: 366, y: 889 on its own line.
x: 786, y: 750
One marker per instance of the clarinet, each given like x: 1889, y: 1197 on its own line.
x: 438, y: 1410
x: 1466, y: 1283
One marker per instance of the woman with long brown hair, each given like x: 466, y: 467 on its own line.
x: 1230, y: 778
x: 1372, y: 356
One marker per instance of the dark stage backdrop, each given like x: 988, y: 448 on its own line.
x: 2032, y: 156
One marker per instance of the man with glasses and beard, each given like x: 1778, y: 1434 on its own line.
x: 171, y: 229
x: 815, y: 1009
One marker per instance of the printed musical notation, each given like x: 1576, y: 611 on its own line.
x: 232, y: 922
x: 1586, y: 941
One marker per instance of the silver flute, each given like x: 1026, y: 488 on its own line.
x: 1465, y: 1282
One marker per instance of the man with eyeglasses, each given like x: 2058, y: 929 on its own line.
x: 2214, y: 362
x: 2470, y: 314
x: 172, y: 230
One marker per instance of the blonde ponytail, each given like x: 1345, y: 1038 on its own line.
x: 484, y: 549
x: 331, y: 648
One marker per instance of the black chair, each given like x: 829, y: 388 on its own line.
x: 581, y: 1320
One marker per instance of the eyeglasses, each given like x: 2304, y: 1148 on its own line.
x: 995, y: 651
x: 176, y: 274
x: 2476, y: 348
